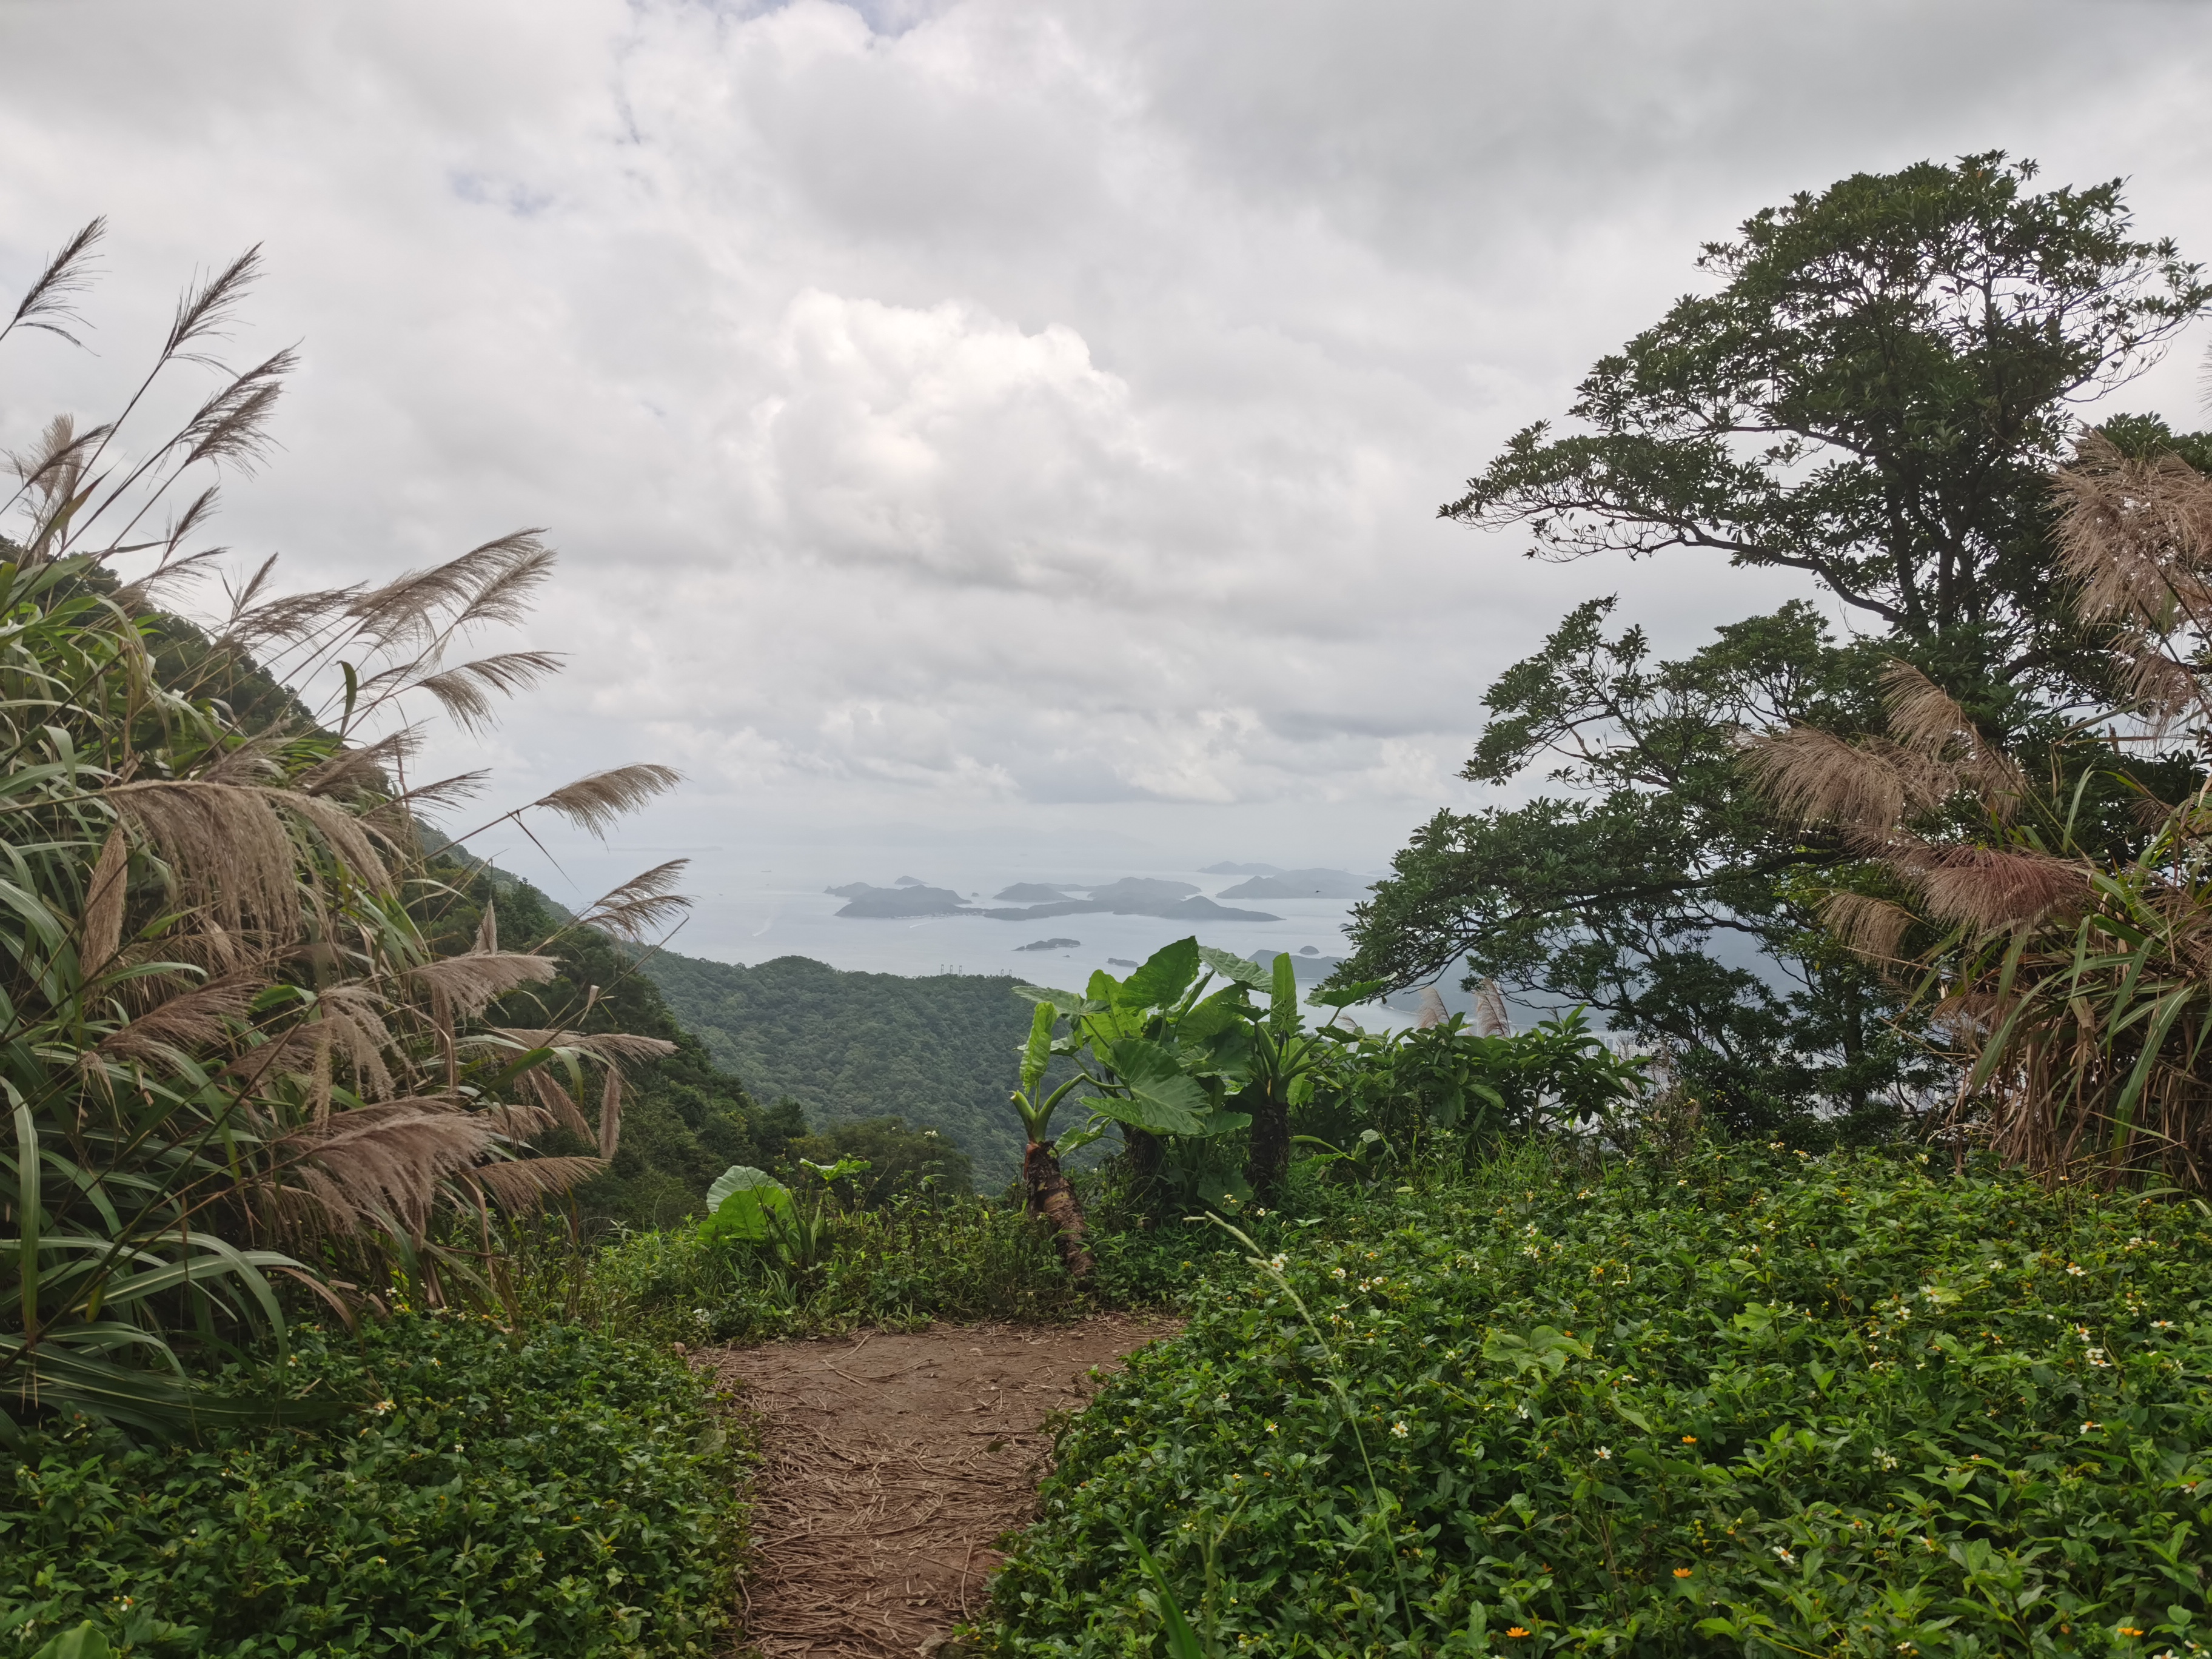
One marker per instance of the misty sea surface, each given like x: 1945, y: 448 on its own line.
x: 752, y: 917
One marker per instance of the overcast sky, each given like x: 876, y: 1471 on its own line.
x: 996, y: 424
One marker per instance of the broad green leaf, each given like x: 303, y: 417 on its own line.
x: 1143, y: 1111
x: 1163, y: 1098
x: 1037, y: 1052
x: 85, y: 1642
x: 1283, y: 996
x: 1243, y: 969
x: 1165, y: 978
x: 750, y: 1214
x: 736, y: 1178
x: 1080, y: 1137
x: 1346, y: 996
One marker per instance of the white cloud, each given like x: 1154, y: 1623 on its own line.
x: 978, y: 414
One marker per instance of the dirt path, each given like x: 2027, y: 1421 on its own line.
x: 891, y: 1462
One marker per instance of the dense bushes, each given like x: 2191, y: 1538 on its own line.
x: 1739, y: 1406
x: 918, y: 1259
x: 547, y: 1494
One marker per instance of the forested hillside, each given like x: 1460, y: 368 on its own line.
x: 685, y: 1120
x: 939, y: 1051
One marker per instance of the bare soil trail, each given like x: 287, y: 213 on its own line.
x: 889, y: 1465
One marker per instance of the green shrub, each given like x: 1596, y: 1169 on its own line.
x: 553, y: 1493
x: 920, y: 1258
x: 1739, y: 1406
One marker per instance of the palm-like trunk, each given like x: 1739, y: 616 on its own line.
x: 1267, y: 1166
x: 1052, y: 1197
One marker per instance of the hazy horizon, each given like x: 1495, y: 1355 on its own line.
x: 1009, y: 433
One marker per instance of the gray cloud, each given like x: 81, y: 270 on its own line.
x: 996, y: 417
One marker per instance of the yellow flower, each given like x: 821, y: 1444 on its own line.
x: 1689, y: 1440
x: 1515, y: 1630
x: 1683, y: 1573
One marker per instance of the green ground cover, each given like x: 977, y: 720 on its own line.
x: 1739, y: 1404
x: 555, y: 1492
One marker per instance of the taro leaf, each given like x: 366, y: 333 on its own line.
x: 1144, y: 1110
x: 1241, y: 970
x: 745, y: 1200
x: 1283, y: 994
x: 840, y: 1170
x: 735, y: 1178
x: 1222, y: 1011
x: 1037, y: 1052
x: 1063, y: 1002
x: 1165, y: 978
x: 1080, y: 1137
x: 1214, y: 1041
x: 1161, y: 1097
x: 1343, y: 996
x: 1223, y: 1121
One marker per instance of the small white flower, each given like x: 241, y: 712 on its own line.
x: 2075, y: 1269
x: 2161, y: 1324
x: 1279, y: 1262
x: 1271, y: 1425
x: 1398, y: 1431
x: 1336, y: 1272
x: 1605, y: 1452
x: 1785, y: 1557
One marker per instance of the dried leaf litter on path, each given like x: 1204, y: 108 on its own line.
x: 889, y: 1465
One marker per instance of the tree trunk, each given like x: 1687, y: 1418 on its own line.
x: 1269, y: 1166
x: 1145, y: 1155
x: 1051, y: 1197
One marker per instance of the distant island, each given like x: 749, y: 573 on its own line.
x: 1301, y: 883
x: 915, y: 900
x: 1052, y: 944
x: 1132, y: 896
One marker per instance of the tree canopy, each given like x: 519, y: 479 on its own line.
x: 1875, y: 393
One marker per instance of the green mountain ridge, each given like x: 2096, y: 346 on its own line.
x: 939, y: 1050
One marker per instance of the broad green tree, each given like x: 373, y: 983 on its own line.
x: 1875, y: 390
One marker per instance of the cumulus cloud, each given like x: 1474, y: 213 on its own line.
x: 981, y: 413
